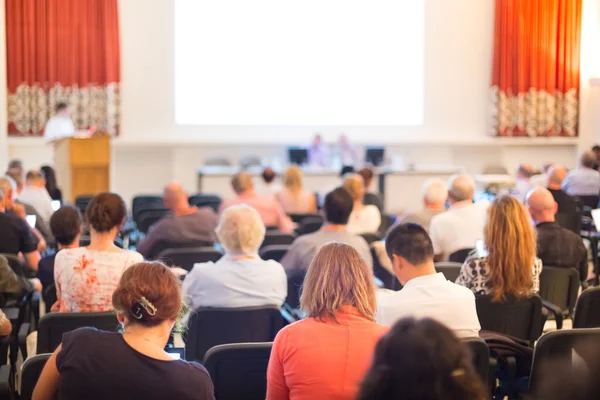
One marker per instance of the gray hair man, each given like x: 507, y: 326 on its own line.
x: 585, y: 180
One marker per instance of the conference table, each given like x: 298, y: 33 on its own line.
x: 401, y: 188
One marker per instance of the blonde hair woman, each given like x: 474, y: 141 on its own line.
x: 511, y: 267
x: 339, y: 333
x: 293, y: 198
x: 364, y: 218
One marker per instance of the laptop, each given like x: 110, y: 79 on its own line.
x: 596, y: 218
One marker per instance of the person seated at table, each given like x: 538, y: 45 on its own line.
x: 371, y: 198
x: 131, y: 364
x: 269, y: 186
x: 86, y: 277
x: 293, y: 198
x: 337, y: 209
x: 364, y: 219
x: 187, y: 224
x: 240, y: 278
x: 318, y: 152
x: 523, y: 181
x: 435, y: 195
x: 326, y: 355
x: 35, y: 194
x: 566, y: 204
x: 585, y: 180
x: 434, y: 365
x: 51, y: 184
x: 267, y: 206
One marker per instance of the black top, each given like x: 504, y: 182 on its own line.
x: 46, y: 270
x: 55, y: 194
x: 559, y: 247
x: 100, y: 365
x: 15, y: 235
x: 566, y: 204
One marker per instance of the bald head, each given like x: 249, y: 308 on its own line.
x: 556, y: 176
x: 175, y: 197
x: 242, y: 182
x: 587, y: 159
x: 541, y: 205
x: 461, y: 188
x: 525, y: 171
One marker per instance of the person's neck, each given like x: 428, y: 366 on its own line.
x: 247, y: 193
x: 73, y: 245
x: 102, y: 241
x: 156, y: 336
x: 417, y: 271
x: 435, y: 206
x: 554, y: 186
x: 460, y: 203
x: 184, y: 209
x: 358, y: 205
x: 545, y: 219
x: 333, y: 227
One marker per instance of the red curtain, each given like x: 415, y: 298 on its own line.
x: 535, y: 83
x: 62, y: 50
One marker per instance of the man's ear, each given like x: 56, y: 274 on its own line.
x: 397, y: 263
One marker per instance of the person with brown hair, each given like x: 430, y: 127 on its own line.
x: 371, y: 198
x: 86, y: 277
x: 325, y: 355
x: 364, y: 219
x: 511, y: 266
x: 421, y: 359
x: 92, y: 364
x: 293, y: 198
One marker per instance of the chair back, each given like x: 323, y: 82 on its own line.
x: 571, y: 220
x: 163, y: 245
x: 30, y: 373
x: 520, y: 318
x: 310, y: 225
x: 145, y: 201
x: 451, y: 270
x: 239, y: 370
x: 295, y: 281
x: 206, y: 200
x: 373, y: 199
x: 49, y: 295
x: 560, y: 287
x: 587, y: 310
x: 14, y: 262
x: 146, y: 218
x: 381, y: 273
x: 81, y: 202
x: 274, y: 252
x: 52, y: 326
x: 272, y: 238
x: 589, y: 201
x: 460, y: 256
x: 297, y: 218
x: 209, y: 327
x: 387, y: 221
x: 370, y: 238
x: 560, y: 346
x: 480, y: 354
x: 186, y: 257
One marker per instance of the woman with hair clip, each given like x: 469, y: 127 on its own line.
x: 92, y: 364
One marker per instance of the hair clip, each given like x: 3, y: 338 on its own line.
x: 149, y: 307
x: 457, y: 372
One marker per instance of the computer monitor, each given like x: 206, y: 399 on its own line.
x: 298, y: 155
x: 375, y: 156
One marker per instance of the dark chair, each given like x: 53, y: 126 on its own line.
x: 587, y: 310
x: 206, y: 200
x: 32, y: 369
x: 451, y: 270
x: 373, y: 199
x: 6, y: 383
x: 147, y: 218
x: 297, y: 218
x: 295, y: 281
x: 163, y: 245
x: 559, y: 346
x: 310, y: 225
x: 381, y: 273
x: 370, y: 238
x: 520, y: 318
x: 558, y: 289
x: 460, y: 256
x: 239, y: 371
x: 273, y: 252
x: 572, y: 220
x: 480, y: 353
x: 81, y: 202
x: 209, y: 327
x: 589, y: 201
x: 387, y: 220
x: 49, y: 295
x: 272, y: 238
x: 52, y: 326
x: 145, y: 201
x: 186, y: 258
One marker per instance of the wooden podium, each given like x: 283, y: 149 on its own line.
x: 82, y: 166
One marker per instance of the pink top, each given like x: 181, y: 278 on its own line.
x: 86, y: 279
x: 267, y: 206
x: 322, y: 360
x: 302, y: 203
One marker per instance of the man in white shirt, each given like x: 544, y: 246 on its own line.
x: 462, y: 225
x: 523, y: 182
x: 426, y: 294
x: 35, y: 194
x: 585, y: 180
x: 60, y: 125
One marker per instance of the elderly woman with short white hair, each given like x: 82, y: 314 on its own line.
x: 240, y: 278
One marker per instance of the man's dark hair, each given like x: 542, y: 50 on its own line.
x: 338, y: 206
x: 347, y: 169
x: 61, y: 106
x: 15, y: 164
x: 367, y: 175
x: 268, y: 175
x: 409, y: 241
x: 65, y: 224
x: 596, y: 148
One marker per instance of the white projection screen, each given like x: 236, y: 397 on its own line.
x: 299, y: 62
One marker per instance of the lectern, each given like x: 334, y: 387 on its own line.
x: 82, y: 166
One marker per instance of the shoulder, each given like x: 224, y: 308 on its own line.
x: 203, y: 268
x: 537, y: 265
x: 474, y: 262
x: 199, y: 374
x: 133, y: 256
x: 70, y: 253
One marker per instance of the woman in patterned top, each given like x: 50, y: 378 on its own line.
x: 511, y: 266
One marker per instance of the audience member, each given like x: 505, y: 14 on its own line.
x: 421, y: 359
x: 337, y: 208
x: 92, y: 364
x: 462, y: 225
x: 556, y: 246
x: 435, y: 195
x: 596, y: 151
x: 585, y: 180
x: 346, y: 170
x: 34, y: 193
x: 511, y: 267
x: 86, y: 277
x: 267, y: 206
x: 293, y: 198
x: 15, y: 168
x: 326, y: 355
x: 425, y: 293
x: 66, y: 225
x: 363, y: 219
x: 318, y: 152
x: 523, y: 181
x: 51, y: 184
x: 240, y: 278
x: 371, y: 198
x: 187, y: 224
x: 540, y: 179
x: 269, y: 187
x: 566, y: 204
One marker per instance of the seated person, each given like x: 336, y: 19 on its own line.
x: 462, y: 225
x: 585, y: 180
x: 66, y: 226
x: 566, y: 204
x: 293, y: 198
x: 188, y: 224
x: 267, y: 206
x: 337, y: 208
x: 364, y: 219
x: 435, y: 195
x: 435, y: 365
x: 523, y: 181
x: 93, y: 364
x: 371, y: 198
x: 425, y: 293
x: 511, y: 267
x: 86, y: 277
x: 240, y: 278
x: 556, y: 246
x: 269, y: 186
x: 35, y: 194
x: 326, y: 355
x: 51, y: 185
